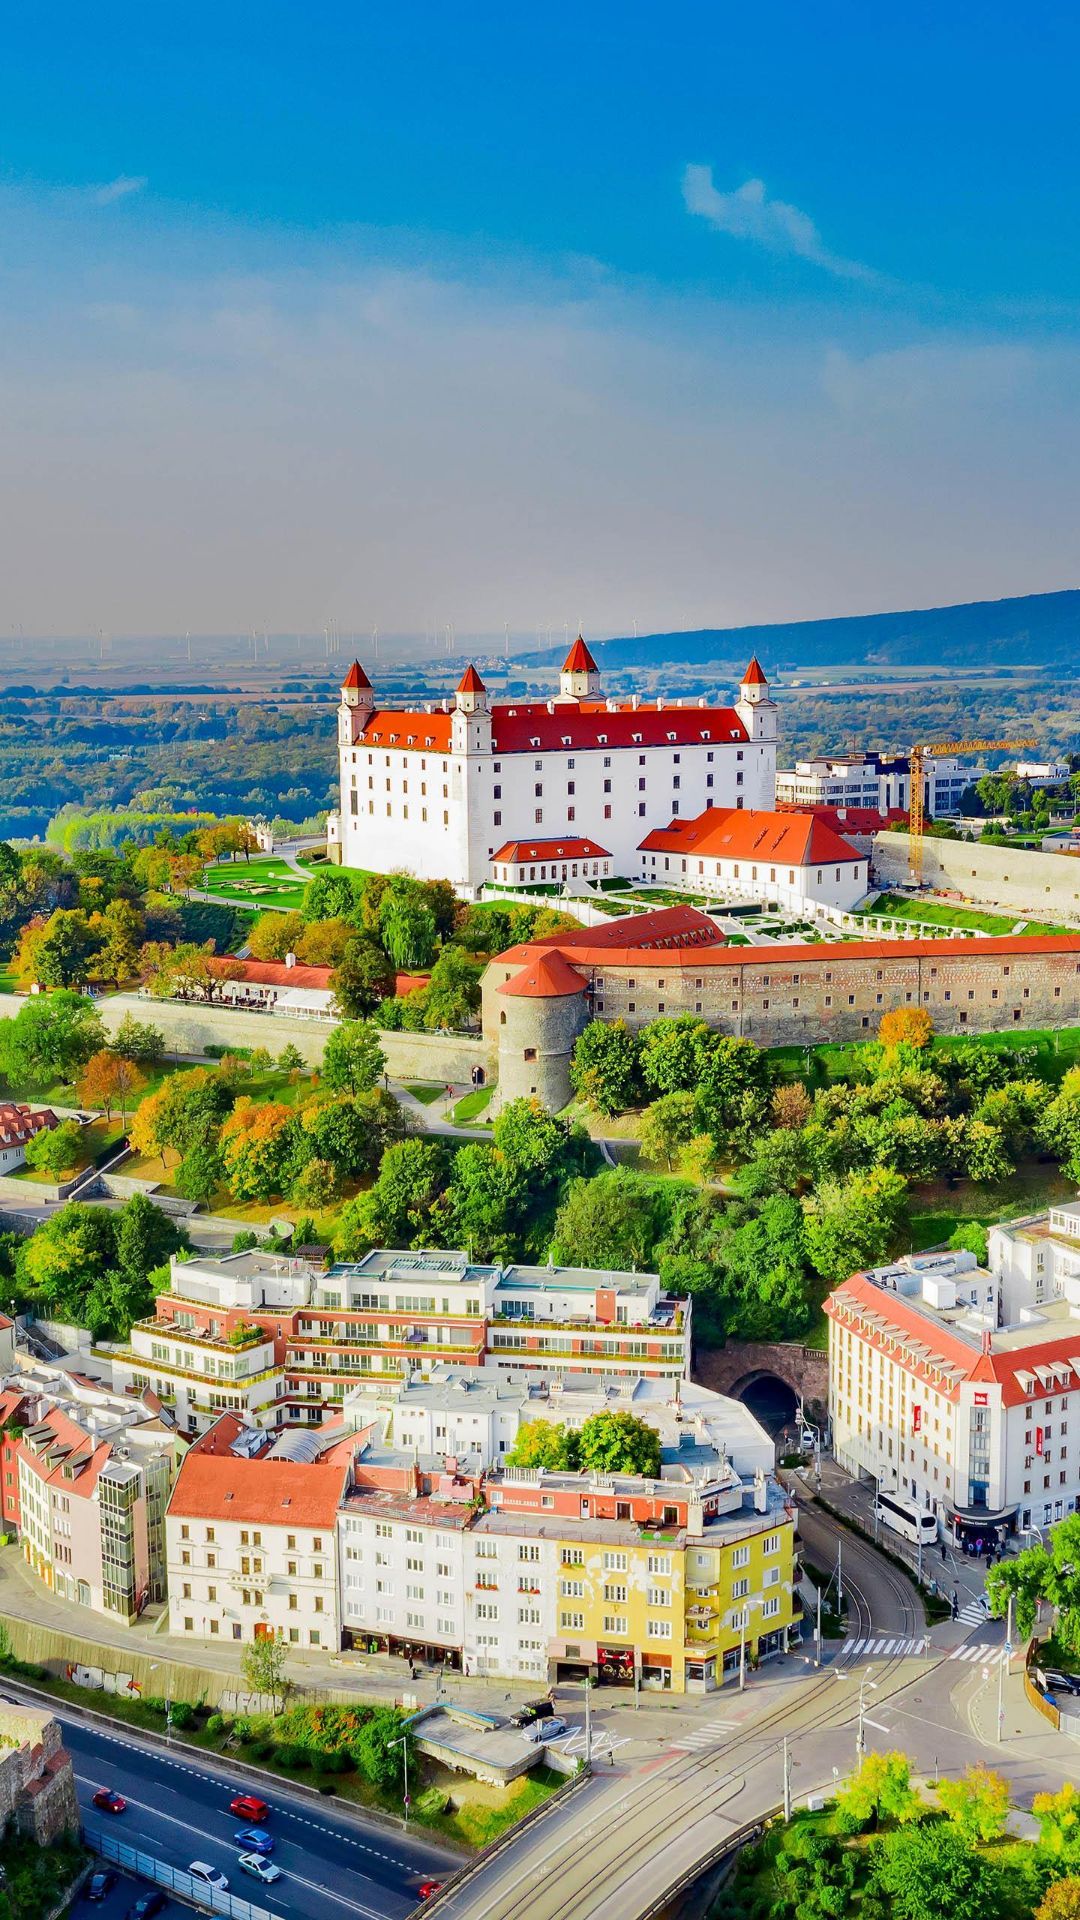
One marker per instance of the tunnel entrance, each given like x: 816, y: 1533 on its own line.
x: 769, y: 1399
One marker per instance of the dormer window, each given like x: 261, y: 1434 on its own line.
x: 535, y: 740
x: 636, y: 738
x: 671, y: 736
x: 706, y: 735
x: 602, y: 737
x: 566, y: 739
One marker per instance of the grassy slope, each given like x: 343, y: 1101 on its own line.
x: 942, y: 913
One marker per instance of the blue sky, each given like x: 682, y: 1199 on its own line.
x: 685, y: 315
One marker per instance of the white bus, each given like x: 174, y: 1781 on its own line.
x: 904, y: 1517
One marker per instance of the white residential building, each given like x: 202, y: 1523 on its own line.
x: 960, y: 1387
x: 442, y: 792
x: 402, y: 1568
x: 251, y: 1535
x: 875, y: 780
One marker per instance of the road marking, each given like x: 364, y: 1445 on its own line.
x: 980, y: 1651
x: 705, y: 1736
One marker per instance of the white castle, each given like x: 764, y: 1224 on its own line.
x: 451, y: 790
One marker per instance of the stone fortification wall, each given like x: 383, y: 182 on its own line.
x: 191, y: 1028
x: 1036, y: 885
x: 840, y: 992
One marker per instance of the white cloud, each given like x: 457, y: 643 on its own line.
x: 934, y: 380
x: 121, y: 188
x: 749, y: 214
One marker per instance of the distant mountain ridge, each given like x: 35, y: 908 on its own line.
x: 1034, y: 629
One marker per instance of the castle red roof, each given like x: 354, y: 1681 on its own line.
x: 847, y: 819
x: 19, y: 1124
x: 514, y: 851
x: 621, y: 945
x: 579, y: 659
x: 355, y: 678
x: 273, y: 973
x: 737, y: 833
x: 470, y: 681
x: 754, y: 675
x: 530, y: 726
x: 546, y: 977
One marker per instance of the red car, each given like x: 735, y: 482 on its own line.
x: 247, y: 1807
x: 428, y: 1889
x: 108, y: 1801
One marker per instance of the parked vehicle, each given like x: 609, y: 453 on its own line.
x: 254, y: 1840
x: 545, y: 1729
x: 1057, y: 1682
x: 259, y: 1868
x: 100, y: 1884
x: 532, y: 1711
x: 108, y: 1801
x: 208, y: 1876
x: 148, y: 1905
x: 904, y: 1517
x: 248, y: 1806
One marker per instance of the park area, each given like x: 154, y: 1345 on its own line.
x: 266, y: 882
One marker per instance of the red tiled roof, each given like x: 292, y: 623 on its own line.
x: 754, y: 675
x: 356, y: 678
x: 665, y: 927
x: 531, y: 725
x: 274, y: 973
x: 847, y: 819
x: 579, y: 659
x: 548, y: 976
x: 470, y: 681
x: 736, y: 833
x: 216, y: 1484
x: 80, y: 1449
x: 19, y: 1124
x: 598, y: 946
x: 516, y: 850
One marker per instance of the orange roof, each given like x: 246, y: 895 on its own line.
x: 274, y: 973
x: 79, y: 1448
x: 737, y: 833
x: 516, y: 850
x: 665, y: 927
x: 355, y: 678
x: 470, y: 681
x: 525, y: 726
x: 754, y: 676
x: 599, y: 946
x: 216, y: 1484
x: 548, y: 976
x: 579, y: 659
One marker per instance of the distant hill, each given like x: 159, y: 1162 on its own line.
x: 1034, y: 630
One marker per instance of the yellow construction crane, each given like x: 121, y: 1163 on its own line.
x: 917, y: 809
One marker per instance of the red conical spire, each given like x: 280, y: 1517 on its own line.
x: 470, y: 681
x: 356, y: 678
x: 579, y: 659
x: 754, y: 676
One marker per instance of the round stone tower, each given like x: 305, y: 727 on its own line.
x: 541, y: 1011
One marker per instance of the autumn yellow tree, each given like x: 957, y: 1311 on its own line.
x: 147, y: 1122
x: 906, y: 1026
x: 110, y: 1081
x: 264, y: 1148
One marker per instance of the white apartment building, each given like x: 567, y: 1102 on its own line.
x: 875, y: 780
x: 251, y: 1535
x: 442, y: 792
x: 200, y: 1375
x: 402, y: 1570
x: 960, y: 1387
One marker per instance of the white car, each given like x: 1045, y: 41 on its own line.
x: 208, y: 1876
x: 262, y: 1869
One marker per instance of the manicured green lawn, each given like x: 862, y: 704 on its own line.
x: 942, y: 913
x: 263, y: 882
x: 1057, y: 1050
x: 426, y: 1095
x: 97, y: 1139
x: 471, y: 1106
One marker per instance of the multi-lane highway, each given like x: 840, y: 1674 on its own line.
x: 334, y: 1866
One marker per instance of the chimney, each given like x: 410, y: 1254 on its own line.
x: 290, y: 959
x: 659, y: 703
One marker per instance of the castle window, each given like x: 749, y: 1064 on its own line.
x: 571, y: 786
x: 641, y: 810
x: 538, y: 765
x: 530, y: 1053
x: 538, y: 816
x: 496, y: 817
x: 571, y: 814
x: 496, y: 793
x: 607, y: 813
x: 502, y: 1019
x: 738, y: 783
x: 607, y: 786
x: 607, y: 756
x: 538, y: 790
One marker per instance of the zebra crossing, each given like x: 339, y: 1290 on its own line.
x: 884, y: 1647
x: 707, y: 1735
x: 973, y: 1613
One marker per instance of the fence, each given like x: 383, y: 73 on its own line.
x: 108, y: 1847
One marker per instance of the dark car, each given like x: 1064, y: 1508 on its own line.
x: 100, y: 1884
x: 109, y: 1801
x: 1056, y: 1682
x: 532, y: 1710
x: 149, y: 1904
x: 248, y: 1806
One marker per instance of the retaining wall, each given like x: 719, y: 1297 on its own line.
x: 1039, y: 886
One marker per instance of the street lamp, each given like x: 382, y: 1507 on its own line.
x: 403, y: 1743
x: 865, y: 1685
x: 154, y: 1665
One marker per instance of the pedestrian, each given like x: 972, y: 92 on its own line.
x: 941, y: 1544
x: 610, y: 1758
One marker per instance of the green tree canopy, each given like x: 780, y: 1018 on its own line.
x: 619, y: 1443
x: 353, y: 1061
x: 928, y: 1871
x: 49, y: 1039
x: 362, y: 977
x: 854, y: 1223
x: 604, y: 1067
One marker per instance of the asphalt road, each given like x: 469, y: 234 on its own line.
x: 333, y: 1866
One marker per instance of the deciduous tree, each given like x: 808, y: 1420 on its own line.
x: 353, y: 1060
x: 110, y: 1081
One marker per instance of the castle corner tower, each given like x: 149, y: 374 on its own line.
x: 580, y: 675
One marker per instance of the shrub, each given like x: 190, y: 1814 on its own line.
x: 183, y: 1715
x: 218, y: 1724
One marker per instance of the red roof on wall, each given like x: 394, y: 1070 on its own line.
x: 579, y: 659
x: 534, y: 726
x: 735, y: 833
x: 617, y: 946
x: 514, y: 851
x: 548, y: 976
x: 274, y: 973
